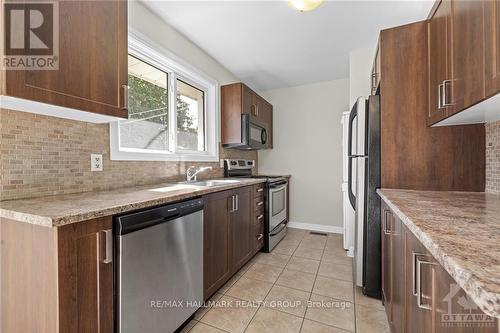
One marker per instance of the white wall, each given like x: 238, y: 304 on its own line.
x: 360, y: 67
x: 145, y: 22
x: 307, y: 138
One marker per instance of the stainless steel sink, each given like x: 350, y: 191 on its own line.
x: 210, y: 183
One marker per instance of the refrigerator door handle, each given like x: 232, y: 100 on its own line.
x: 352, y: 197
x: 350, y: 156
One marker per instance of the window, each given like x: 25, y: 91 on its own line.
x: 190, y: 117
x: 171, y: 110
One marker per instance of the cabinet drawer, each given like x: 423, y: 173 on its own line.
x: 259, y: 203
x: 259, y: 236
x: 258, y: 190
x: 259, y: 218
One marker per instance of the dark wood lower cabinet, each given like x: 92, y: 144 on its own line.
x: 241, y: 228
x: 393, y: 268
x: 86, y: 276
x: 228, y: 240
x: 56, y: 279
x: 413, y: 313
x: 419, y: 295
x: 216, y: 261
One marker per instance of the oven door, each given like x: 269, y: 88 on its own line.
x: 277, y: 203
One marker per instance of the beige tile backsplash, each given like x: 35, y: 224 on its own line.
x: 493, y: 157
x: 42, y: 155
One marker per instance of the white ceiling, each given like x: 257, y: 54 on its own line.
x: 269, y: 45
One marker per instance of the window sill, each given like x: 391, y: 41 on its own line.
x: 131, y: 156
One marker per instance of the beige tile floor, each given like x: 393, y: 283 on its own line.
x: 305, y: 285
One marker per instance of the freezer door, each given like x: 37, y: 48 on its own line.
x: 361, y: 164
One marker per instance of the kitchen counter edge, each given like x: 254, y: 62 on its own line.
x: 9, y: 211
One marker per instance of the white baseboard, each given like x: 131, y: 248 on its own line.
x: 317, y: 227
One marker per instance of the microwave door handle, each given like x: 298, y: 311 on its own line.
x: 263, y: 136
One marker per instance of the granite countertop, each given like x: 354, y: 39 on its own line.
x: 462, y: 231
x: 55, y: 211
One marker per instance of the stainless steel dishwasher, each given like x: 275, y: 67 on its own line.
x: 159, y: 272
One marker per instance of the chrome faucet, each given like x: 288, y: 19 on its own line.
x: 191, y: 173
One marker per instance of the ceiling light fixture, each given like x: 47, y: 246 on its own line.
x: 305, y: 5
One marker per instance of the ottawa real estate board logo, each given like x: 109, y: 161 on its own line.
x: 30, y: 38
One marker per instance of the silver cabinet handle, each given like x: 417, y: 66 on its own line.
x: 445, y: 103
x: 419, y: 295
x: 440, y: 98
x: 261, y: 216
x: 125, y: 96
x: 387, y: 230
x: 237, y: 200
x: 231, y: 210
x: 106, y: 241
x: 260, y: 189
x: 414, y: 269
x: 259, y: 237
x: 260, y: 203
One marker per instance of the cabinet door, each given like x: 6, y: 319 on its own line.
x: 398, y: 275
x: 467, y: 55
x: 247, y: 100
x: 448, y: 300
x: 439, y: 39
x: 242, y: 228
x: 216, y: 245
x: 85, y: 254
x: 266, y: 113
x: 386, y: 260
x: 92, y: 61
x: 492, y: 47
x: 417, y: 319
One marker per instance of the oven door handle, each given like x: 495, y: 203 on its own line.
x: 280, y: 229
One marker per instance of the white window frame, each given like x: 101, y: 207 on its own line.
x: 153, y: 54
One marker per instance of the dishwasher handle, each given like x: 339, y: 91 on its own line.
x: 148, y: 218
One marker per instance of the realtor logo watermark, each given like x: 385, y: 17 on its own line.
x: 31, y: 35
x: 467, y: 314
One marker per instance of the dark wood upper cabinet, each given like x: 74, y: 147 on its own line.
x: 422, y: 157
x: 464, y: 58
x: 266, y: 114
x: 92, y: 74
x: 238, y: 99
x: 467, y: 85
x: 492, y: 47
x: 439, y: 40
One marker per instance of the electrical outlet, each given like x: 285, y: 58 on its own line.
x: 96, y: 162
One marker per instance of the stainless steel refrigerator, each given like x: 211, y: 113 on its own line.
x: 363, y: 181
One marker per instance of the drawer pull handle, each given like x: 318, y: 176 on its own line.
x: 260, y: 189
x: 260, y: 203
x: 260, y: 236
x: 261, y: 216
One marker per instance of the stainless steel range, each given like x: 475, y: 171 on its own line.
x: 276, y: 199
